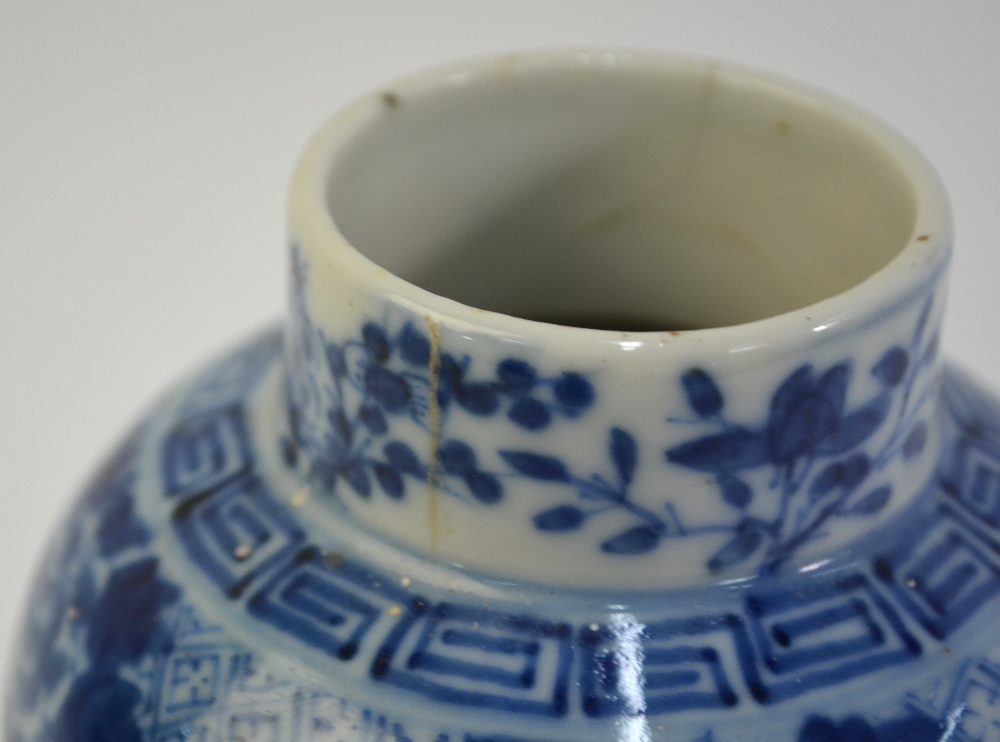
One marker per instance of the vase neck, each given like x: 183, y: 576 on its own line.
x: 792, y: 249
x: 668, y: 459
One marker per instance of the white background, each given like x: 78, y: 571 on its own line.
x: 145, y: 149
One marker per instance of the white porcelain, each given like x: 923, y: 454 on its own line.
x: 680, y: 193
x: 426, y: 509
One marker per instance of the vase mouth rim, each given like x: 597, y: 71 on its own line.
x: 918, y: 263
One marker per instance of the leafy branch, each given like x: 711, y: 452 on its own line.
x: 807, y: 426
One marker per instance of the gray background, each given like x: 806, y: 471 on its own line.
x: 145, y: 150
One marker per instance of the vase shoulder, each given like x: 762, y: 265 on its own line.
x: 428, y: 510
x: 204, y: 586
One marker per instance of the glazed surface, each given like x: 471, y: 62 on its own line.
x: 205, y: 588
x: 467, y: 433
x: 527, y: 461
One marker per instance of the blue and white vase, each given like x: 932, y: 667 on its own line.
x: 608, y: 407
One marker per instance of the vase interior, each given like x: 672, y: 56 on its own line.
x: 621, y: 197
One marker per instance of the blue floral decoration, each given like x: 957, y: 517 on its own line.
x: 597, y: 495
x: 815, y: 447
x: 115, y: 616
x: 389, y: 377
x: 811, y: 443
x: 382, y: 375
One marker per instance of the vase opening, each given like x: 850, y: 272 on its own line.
x: 627, y: 197
x: 803, y: 244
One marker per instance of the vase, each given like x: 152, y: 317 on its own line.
x: 608, y: 406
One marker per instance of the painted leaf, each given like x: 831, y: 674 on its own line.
x: 561, y: 518
x: 855, y: 427
x: 856, y: 468
x: 536, y: 465
x: 786, y: 397
x: 734, y: 490
x: 390, y: 480
x: 402, y: 459
x: 376, y: 342
x: 573, y: 391
x: 624, y: 454
x: 357, y: 476
x: 740, y: 548
x: 479, y: 399
x: 484, y: 487
x: 637, y: 540
x: 891, y: 367
x: 721, y: 453
x: 457, y: 457
x: 807, y: 414
x: 414, y: 347
x: 389, y: 389
x: 871, y: 503
x: 832, y: 386
x: 516, y: 376
x: 373, y: 419
x: 530, y: 413
x: 702, y: 392
x: 830, y: 478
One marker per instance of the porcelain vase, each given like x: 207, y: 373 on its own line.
x: 608, y: 406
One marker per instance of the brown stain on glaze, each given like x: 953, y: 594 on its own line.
x: 434, y: 429
x: 390, y: 100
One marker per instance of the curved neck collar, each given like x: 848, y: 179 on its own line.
x: 669, y: 461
